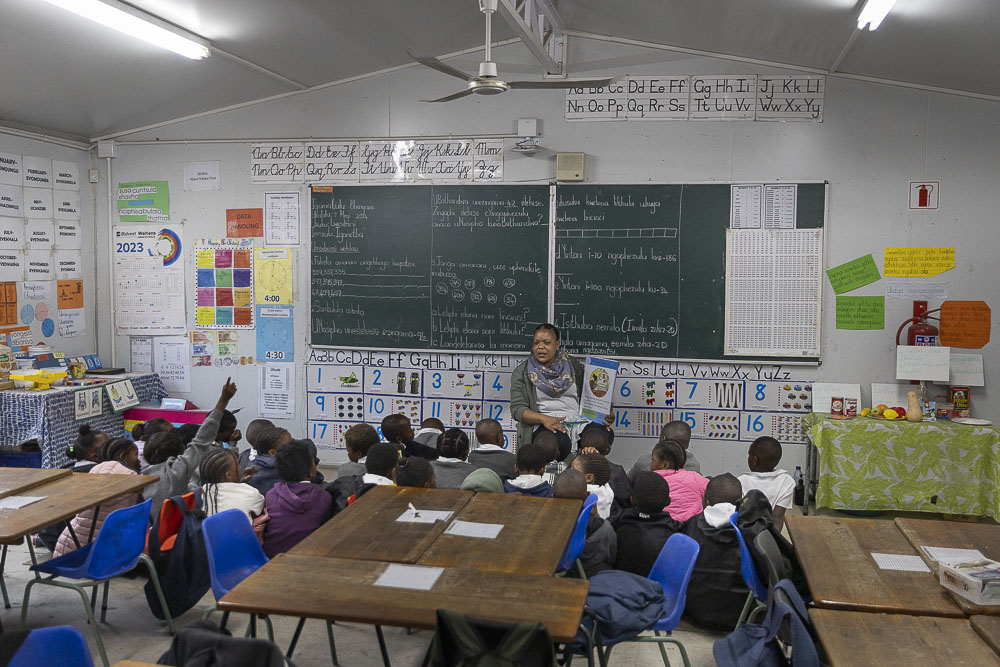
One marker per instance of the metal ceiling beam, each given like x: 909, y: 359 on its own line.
x: 537, y: 24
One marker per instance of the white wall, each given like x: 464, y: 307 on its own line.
x: 88, y: 343
x: 874, y: 139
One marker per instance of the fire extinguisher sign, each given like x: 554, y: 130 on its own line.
x: 924, y: 195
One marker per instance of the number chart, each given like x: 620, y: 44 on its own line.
x: 225, y: 285
x: 341, y: 395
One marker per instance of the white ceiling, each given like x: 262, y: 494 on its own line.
x: 62, y: 74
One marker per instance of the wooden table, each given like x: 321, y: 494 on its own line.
x: 368, y: 529
x: 988, y: 627
x: 66, y: 497
x: 342, y: 589
x: 836, y: 556
x: 532, y: 541
x: 857, y: 639
x: 958, y: 535
x: 14, y: 481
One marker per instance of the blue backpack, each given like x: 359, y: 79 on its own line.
x: 757, y: 645
x: 624, y: 603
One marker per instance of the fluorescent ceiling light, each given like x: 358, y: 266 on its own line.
x: 872, y: 15
x: 141, y: 25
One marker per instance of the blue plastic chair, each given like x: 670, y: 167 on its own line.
x: 234, y: 553
x: 758, y: 589
x: 672, y: 571
x: 116, y: 550
x: 61, y: 644
x: 577, y: 540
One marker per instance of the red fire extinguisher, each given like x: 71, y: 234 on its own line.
x: 924, y: 195
x: 921, y: 332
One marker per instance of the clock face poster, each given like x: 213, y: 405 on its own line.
x: 275, y: 333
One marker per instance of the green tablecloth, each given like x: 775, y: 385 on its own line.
x: 874, y: 464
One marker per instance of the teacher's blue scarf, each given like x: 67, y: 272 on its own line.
x: 555, y: 379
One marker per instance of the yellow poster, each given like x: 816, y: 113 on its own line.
x: 204, y: 316
x: 273, y: 276
x: 917, y: 262
x: 206, y: 259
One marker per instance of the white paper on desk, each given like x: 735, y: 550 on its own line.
x: 950, y: 555
x: 424, y: 516
x: 416, y: 577
x: 900, y: 562
x: 488, y: 531
x: 17, y: 502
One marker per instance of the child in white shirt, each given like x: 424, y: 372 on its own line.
x: 775, y: 483
x: 597, y: 472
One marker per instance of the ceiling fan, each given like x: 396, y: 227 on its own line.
x: 488, y: 82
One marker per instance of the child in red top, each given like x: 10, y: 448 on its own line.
x: 687, y: 488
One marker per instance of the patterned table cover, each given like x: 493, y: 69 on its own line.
x: 875, y: 464
x: 48, y: 416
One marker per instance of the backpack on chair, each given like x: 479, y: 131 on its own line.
x: 177, y: 549
x: 463, y: 641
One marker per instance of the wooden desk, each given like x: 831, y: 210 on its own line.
x: 66, y: 497
x: 368, y: 529
x: 534, y: 535
x: 857, y: 639
x: 341, y: 589
x: 988, y: 627
x: 836, y: 556
x: 14, y: 481
x: 958, y: 535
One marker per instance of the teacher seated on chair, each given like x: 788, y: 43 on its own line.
x: 545, y: 391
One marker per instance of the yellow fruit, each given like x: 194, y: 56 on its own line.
x: 865, y: 412
x: 890, y: 414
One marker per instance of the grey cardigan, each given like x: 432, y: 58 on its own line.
x: 180, y: 473
x: 523, y: 397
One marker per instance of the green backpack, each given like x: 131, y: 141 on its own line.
x: 463, y: 641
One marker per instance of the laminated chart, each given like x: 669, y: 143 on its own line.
x: 225, y: 285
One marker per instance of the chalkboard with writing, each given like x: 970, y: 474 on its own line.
x: 455, y: 267
x: 640, y: 269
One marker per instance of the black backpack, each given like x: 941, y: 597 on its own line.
x: 463, y: 641
x: 183, y: 570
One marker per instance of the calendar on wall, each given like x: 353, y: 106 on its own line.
x: 773, y: 292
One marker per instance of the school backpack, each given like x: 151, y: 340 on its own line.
x: 463, y: 641
x: 757, y: 645
x: 753, y: 516
x: 624, y: 604
x: 182, y: 568
x: 345, y: 490
x: 204, y: 644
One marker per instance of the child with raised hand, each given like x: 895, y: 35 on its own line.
x: 687, y: 488
x: 415, y: 471
x: 775, y: 483
x: 357, y: 440
x: 530, y: 468
x: 596, y: 472
x: 296, y: 506
x: 489, y: 451
x: 118, y: 456
x: 223, y: 488
x: 269, y: 442
x: 601, y: 543
x: 643, y: 529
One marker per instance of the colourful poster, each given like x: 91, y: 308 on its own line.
x: 224, y: 280
x: 69, y: 294
x: 244, y: 222
x: 273, y: 276
x: 143, y: 201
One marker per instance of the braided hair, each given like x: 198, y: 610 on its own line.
x: 115, y: 449
x: 212, y: 472
x: 87, y: 444
x: 453, y: 444
x: 415, y: 471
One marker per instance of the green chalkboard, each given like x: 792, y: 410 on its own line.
x: 456, y: 267
x: 640, y: 270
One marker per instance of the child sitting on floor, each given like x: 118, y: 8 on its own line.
x: 489, y: 451
x: 415, y: 471
x: 429, y: 431
x: 601, y: 544
x: 530, y: 469
x: 269, y: 441
x: 222, y: 486
x: 644, y: 528
x: 451, y: 467
x: 775, y: 483
x: 83, y: 455
x: 687, y: 488
x: 254, y: 429
x: 596, y: 439
x: 679, y: 431
x: 296, y: 506
x: 716, y: 593
x: 358, y: 440
x: 143, y: 432
x: 596, y: 472
x: 119, y: 456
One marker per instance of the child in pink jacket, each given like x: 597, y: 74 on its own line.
x: 119, y: 456
x: 687, y: 488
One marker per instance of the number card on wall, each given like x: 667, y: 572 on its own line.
x: 224, y: 279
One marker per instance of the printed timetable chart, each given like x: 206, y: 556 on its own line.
x: 224, y: 284
x: 341, y: 395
